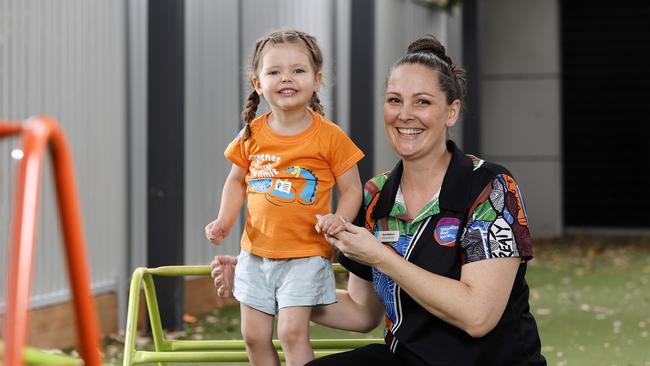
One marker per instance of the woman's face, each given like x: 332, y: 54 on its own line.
x: 416, y: 113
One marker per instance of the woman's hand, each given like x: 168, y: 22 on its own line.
x: 359, y: 245
x: 223, y: 273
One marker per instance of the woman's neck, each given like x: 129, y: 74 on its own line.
x: 422, y: 179
x: 428, y: 166
x: 290, y: 122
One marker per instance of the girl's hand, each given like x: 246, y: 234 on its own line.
x: 330, y: 224
x: 216, y: 231
x: 359, y: 244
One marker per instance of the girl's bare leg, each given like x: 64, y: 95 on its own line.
x: 293, y: 331
x: 257, y: 329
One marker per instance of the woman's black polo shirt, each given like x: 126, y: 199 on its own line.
x: 484, y: 200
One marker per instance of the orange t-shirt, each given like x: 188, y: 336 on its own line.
x: 289, y: 180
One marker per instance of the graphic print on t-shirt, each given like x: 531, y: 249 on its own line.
x: 297, y: 184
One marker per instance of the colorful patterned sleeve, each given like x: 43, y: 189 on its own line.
x: 497, y: 225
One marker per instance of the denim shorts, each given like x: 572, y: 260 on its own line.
x: 268, y: 285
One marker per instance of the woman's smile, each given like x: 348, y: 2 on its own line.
x: 409, y: 132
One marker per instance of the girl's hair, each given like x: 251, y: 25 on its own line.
x: 273, y: 38
x: 428, y: 51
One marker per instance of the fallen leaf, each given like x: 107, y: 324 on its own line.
x: 187, y: 318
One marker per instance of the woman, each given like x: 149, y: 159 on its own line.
x: 447, y: 260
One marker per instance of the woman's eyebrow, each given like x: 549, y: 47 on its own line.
x: 415, y: 95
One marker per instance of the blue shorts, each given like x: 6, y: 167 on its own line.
x: 268, y: 285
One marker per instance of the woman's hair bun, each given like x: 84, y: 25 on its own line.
x: 428, y: 51
x: 429, y: 44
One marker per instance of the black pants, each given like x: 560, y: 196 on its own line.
x: 372, y: 354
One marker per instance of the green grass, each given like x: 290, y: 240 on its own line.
x: 591, y: 300
x: 590, y: 297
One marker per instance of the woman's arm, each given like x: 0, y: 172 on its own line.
x: 474, y: 303
x: 358, y: 309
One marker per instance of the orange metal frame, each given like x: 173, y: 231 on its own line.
x: 39, y: 133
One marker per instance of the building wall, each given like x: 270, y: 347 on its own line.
x: 67, y: 60
x: 520, y: 79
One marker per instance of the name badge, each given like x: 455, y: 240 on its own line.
x: 388, y: 236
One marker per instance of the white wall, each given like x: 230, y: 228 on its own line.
x: 520, y: 65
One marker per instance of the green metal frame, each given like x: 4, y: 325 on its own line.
x: 195, y: 350
x: 33, y: 356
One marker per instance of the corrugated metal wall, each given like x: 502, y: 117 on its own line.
x: 211, y: 118
x: 67, y: 59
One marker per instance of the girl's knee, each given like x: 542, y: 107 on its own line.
x: 256, y: 327
x: 254, y: 338
x: 293, y: 327
x: 293, y: 336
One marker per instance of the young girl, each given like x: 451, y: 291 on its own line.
x: 286, y: 163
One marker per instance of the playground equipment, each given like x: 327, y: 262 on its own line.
x: 33, y: 356
x: 39, y: 134
x: 198, y: 350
